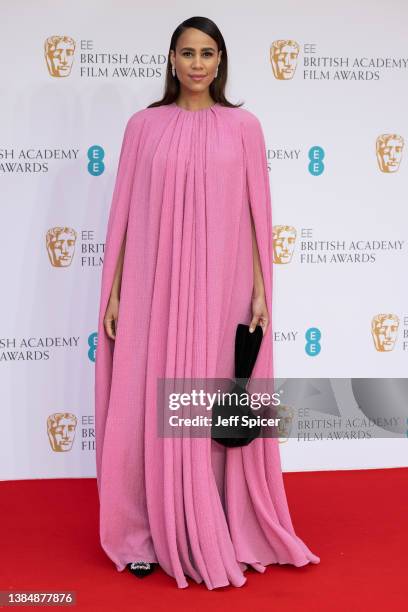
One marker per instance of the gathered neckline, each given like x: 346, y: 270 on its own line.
x: 198, y: 110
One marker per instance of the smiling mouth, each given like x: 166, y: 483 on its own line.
x: 196, y: 77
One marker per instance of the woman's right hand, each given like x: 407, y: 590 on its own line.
x: 111, y: 317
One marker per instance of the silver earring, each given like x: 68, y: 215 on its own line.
x: 173, y: 71
x: 216, y: 72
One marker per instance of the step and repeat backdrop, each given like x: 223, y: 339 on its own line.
x: 329, y: 85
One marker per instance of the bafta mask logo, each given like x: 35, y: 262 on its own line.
x: 59, y: 55
x: 384, y: 329
x: 285, y: 415
x: 284, y: 237
x: 60, y: 242
x: 388, y: 148
x: 283, y: 58
x: 61, y: 428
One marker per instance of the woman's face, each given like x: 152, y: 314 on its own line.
x: 196, y: 55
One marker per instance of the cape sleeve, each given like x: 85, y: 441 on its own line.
x: 259, y: 196
x: 115, y: 233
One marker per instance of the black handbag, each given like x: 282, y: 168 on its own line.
x: 247, y: 345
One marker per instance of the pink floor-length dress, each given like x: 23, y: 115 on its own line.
x: 185, y: 186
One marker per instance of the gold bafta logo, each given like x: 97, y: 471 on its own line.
x: 284, y: 237
x: 61, y: 428
x: 388, y: 148
x: 283, y: 57
x: 285, y: 415
x: 60, y: 242
x: 59, y: 55
x: 384, y: 329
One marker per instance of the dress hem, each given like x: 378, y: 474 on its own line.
x: 256, y: 565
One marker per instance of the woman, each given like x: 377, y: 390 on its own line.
x: 188, y: 255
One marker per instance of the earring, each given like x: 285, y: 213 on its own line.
x: 216, y: 72
x: 173, y: 71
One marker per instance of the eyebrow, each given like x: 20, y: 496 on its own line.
x: 192, y: 49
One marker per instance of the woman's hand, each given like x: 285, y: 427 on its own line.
x: 260, y: 315
x: 111, y: 317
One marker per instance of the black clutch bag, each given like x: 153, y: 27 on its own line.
x: 235, y: 432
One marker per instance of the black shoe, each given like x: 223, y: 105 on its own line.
x: 141, y: 568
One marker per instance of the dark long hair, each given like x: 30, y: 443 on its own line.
x: 217, y: 85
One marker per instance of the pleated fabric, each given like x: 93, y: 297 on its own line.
x: 186, y: 186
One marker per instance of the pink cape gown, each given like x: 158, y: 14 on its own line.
x: 185, y: 184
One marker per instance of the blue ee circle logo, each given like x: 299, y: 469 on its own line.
x: 92, y: 342
x: 312, y: 346
x: 95, y: 164
x: 316, y: 156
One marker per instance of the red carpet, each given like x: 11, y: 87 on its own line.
x: 356, y: 521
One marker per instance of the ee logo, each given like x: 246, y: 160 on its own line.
x: 316, y: 156
x: 312, y: 346
x: 92, y: 342
x: 95, y: 164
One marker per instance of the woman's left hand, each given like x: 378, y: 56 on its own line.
x: 260, y: 315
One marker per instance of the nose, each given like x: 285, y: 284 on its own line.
x: 197, y: 62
